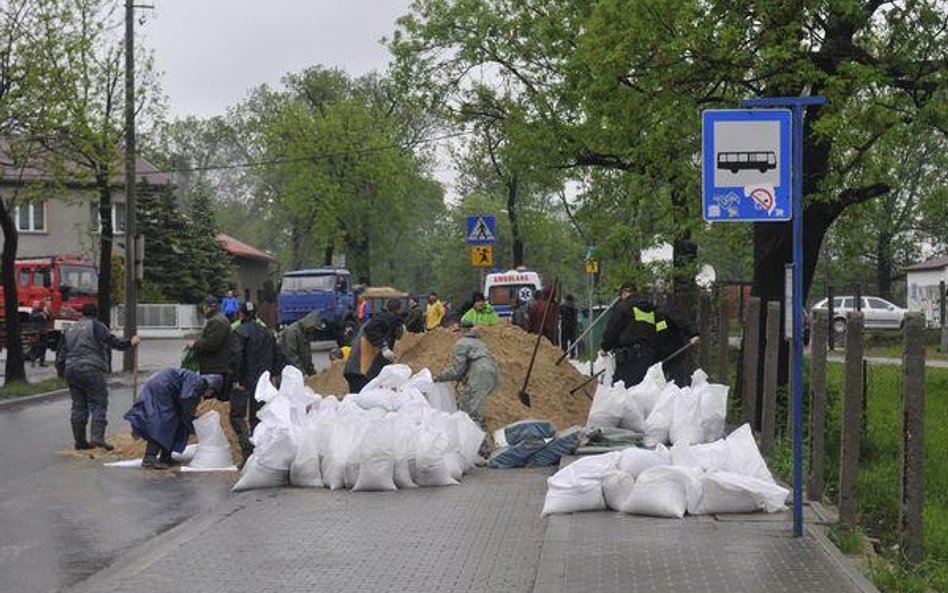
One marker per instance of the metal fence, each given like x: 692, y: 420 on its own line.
x: 162, y: 320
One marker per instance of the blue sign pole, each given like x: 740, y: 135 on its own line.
x: 798, y: 105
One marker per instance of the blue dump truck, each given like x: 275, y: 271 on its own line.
x: 328, y: 291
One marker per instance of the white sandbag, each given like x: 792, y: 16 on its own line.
x: 305, y: 471
x: 711, y: 456
x: 632, y: 417
x: 264, y: 390
x: 607, y: 364
x: 376, y: 455
x: 421, y: 380
x: 276, y: 413
x: 617, y: 488
x: 391, y: 376
x: 441, y: 396
x: 409, y: 399
x: 455, y: 464
x: 647, y: 392
x: 634, y: 460
x: 277, y: 450
x: 207, y: 428
x: 470, y: 437
x: 727, y: 492
x: 255, y: 475
x: 401, y: 473
x: 685, y: 424
x: 374, y: 398
x: 578, y: 486
x: 744, y: 457
x: 430, y: 467
x: 207, y: 457
x: 405, y: 444
x: 713, y: 411
x: 665, y: 491
x: 186, y: 455
x: 608, y: 406
x: 339, y: 466
x: 660, y: 419
x: 293, y: 389
x: 582, y: 496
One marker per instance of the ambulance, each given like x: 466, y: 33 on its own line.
x: 502, y: 287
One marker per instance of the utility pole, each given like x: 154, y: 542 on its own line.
x: 131, y: 227
x: 131, y: 230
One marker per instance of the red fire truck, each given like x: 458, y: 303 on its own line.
x: 65, y: 282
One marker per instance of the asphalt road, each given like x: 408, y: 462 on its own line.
x: 62, y: 518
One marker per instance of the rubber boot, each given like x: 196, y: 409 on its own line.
x: 98, y: 437
x: 79, y: 435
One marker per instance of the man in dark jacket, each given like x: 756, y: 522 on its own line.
x: 164, y: 412
x: 294, y: 342
x: 82, y: 358
x: 372, y: 347
x: 212, y: 348
x: 568, y: 315
x: 415, y: 323
x: 253, y: 351
x: 635, y: 333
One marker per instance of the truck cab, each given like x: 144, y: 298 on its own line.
x: 325, y: 290
x: 502, y: 287
x: 65, y: 282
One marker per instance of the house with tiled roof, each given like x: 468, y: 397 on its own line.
x: 924, y: 283
x: 252, y: 268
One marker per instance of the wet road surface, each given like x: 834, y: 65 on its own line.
x: 62, y: 519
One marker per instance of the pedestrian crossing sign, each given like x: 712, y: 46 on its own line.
x: 481, y: 229
x: 482, y: 256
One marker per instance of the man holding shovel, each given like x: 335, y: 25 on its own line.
x: 635, y: 333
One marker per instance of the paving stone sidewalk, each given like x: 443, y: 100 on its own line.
x: 485, y: 535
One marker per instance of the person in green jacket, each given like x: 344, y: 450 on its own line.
x: 474, y: 368
x: 295, y: 340
x: 212, y: 348
x: 481, y: 313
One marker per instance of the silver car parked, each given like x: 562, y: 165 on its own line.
x: 878, y: 313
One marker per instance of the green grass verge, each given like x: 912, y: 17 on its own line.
x: 877, y: 489
x: 20, y: 389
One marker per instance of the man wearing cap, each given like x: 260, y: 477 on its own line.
x: 474, y: 368
x: 212, y: 348
x: 253, y: 351
x: 372, y: 346
x: 164, y: 412
x: 82, y: 359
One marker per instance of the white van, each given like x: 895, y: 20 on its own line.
x: 501, y: 288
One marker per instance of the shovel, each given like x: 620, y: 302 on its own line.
x: 671, y: 356
x: 523, y: 396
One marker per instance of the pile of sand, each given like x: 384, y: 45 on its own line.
x: 511, y: 347
x: 128, y: 447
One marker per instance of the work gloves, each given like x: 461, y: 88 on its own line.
x: 388, y: 354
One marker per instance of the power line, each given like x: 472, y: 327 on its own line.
x: 313, y: 157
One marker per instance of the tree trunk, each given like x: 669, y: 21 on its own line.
x: 684, y: 262
x: 327, y: 255
x: 513, y: 189
x: 15, y: 370
x: 105, y: 245
x: 884, y: 266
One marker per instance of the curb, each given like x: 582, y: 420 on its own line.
x: 114, y: 382
x: 838, y: 558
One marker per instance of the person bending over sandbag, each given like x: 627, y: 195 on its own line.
x: 294, y: 342
x: 164, y: 412
x: 474, y: 368
x: 372, y: 346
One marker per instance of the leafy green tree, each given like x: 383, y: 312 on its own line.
x: 207, y: 261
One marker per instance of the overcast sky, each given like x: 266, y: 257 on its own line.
x: 212, y: 51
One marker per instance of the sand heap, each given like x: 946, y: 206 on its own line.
x: 511, y: 347
x: 127, y: 447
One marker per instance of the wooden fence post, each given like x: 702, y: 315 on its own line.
x: 704, y: 330
x: 768, y: 404
x: 814, y: 484
x: 724, y: 348
x: 751, y: 353
x: 912, y: 479
x: 852, y: 419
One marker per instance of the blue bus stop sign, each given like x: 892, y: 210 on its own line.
x: 746, y: 162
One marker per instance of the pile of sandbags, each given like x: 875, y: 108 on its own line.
x: 662, y: 411
x: 726, y: 476
x: 388, y: 436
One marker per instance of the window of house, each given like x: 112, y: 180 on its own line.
x: 31, y: 218
x: 118, y: 217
